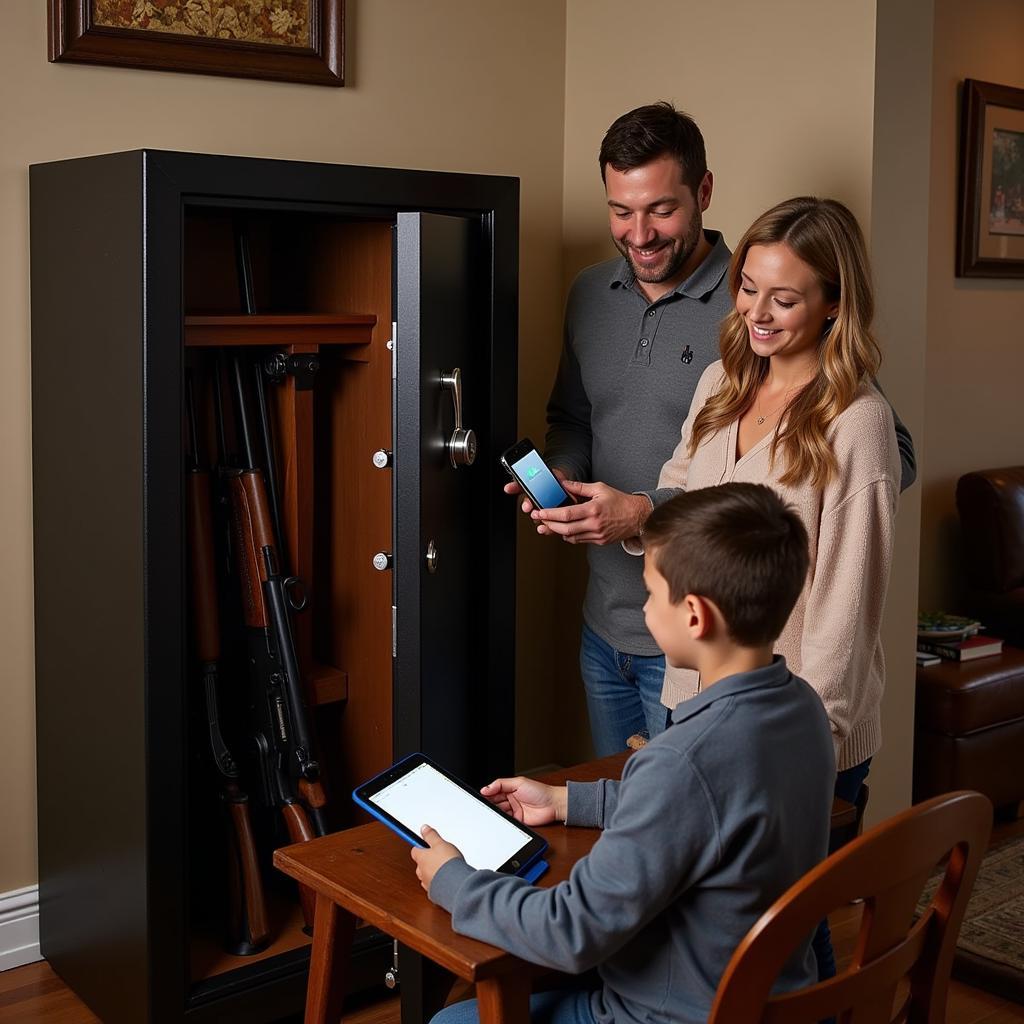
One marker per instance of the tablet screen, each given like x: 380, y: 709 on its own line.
x: 423, y: 796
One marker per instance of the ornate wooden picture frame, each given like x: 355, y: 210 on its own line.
x: 990, y: 226
x: 283, y: 40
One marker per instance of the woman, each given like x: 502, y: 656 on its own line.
x: 791, y: 404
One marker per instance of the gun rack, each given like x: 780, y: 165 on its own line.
x: 324, y: 382
x: 289, y: 338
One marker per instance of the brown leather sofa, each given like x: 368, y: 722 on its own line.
x: 969, y: 716
x: 991, y: 507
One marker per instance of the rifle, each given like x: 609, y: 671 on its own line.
x: 247, y: 931
x: 288, y: 769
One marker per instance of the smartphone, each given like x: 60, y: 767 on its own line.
x: 523, y: 463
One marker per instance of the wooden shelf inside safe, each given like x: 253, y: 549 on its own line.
x: 279, y: 329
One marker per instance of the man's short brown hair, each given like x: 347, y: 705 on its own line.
x: 738, y: 545
x: 652, y: 131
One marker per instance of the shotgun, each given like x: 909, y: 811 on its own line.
x: 248, y: 930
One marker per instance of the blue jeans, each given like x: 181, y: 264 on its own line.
x: 848, y: 785
x: 563, y: 1006
x: 623, y: 693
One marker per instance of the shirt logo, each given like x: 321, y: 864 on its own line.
x: 687, y: 356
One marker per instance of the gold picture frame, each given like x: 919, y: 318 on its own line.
x: 281, y: 40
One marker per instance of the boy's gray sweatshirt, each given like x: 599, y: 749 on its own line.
x: 712, y: 821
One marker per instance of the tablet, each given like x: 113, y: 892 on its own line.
x: 417, y: 792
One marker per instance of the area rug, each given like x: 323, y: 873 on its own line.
x: 990, y: 949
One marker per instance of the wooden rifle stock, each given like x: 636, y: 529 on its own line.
x: 248, y: 927
x: 299, y: 831
x: 250, y: 512
x: 312, y: 793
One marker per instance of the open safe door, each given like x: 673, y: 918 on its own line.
x: 445, y: 463
x: 440, y: 368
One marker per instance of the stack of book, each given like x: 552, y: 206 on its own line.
x: 942, y: 637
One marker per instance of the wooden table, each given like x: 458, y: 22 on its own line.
x: 366, y: 872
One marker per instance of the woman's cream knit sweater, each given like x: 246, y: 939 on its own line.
x: 832, y: 637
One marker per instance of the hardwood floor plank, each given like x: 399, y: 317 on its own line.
x: 33, y: 994
x: 968, y: 1005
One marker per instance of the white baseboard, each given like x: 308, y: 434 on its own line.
x: 19, y: 927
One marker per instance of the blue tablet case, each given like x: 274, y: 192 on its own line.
x: 530, y: 871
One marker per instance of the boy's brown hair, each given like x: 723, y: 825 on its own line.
x: 738, y: 545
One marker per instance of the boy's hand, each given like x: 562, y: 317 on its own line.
x: 532, y: 803
x: 437, y: 853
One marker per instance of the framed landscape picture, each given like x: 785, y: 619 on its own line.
x: 990, y: 231
x: 285, y: 40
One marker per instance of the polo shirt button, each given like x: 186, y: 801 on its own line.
x: 643, y: 343
x: 650, y: 312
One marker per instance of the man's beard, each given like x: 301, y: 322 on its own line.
x: 677, y: 252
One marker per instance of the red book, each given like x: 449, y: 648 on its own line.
x: 963, y: 650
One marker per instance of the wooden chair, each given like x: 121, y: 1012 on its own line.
x: 887, y: 867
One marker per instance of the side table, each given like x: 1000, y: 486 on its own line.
x: 969, y: 728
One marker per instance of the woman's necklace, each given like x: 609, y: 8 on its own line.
x: 761, y: 417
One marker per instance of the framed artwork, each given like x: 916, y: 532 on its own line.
x: 285, y: 40
x: 990, y: 228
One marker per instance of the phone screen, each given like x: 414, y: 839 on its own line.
x: 539, y: 480
x: 426, y: 797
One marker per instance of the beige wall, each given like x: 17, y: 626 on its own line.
x: 449, y: 85
x: 974, y: 414
x: 784, y: 100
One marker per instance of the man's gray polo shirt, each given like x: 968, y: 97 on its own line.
x: 627, y: 376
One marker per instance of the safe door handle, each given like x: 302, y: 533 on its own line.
x: 462, y: 445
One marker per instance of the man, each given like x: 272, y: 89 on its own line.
x: 639, y: 332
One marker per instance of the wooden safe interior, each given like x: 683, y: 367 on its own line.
x: 299, y: 308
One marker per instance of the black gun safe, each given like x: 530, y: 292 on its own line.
x: 368, y: 301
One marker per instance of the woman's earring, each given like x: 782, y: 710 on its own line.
x: 830, y: 322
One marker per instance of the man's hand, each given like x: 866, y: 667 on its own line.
x: 532, y: 803
x: 437, y: 853
x: 603, y: 516
x: 527, y: 505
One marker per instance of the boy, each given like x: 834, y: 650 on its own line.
x: 713, y: 819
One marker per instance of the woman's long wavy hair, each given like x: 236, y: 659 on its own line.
x: 825, y: 235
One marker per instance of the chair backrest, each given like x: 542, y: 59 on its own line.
x: 887, y: 868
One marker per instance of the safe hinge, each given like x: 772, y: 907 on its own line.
x: 394, y: 632
x: 393, y: 345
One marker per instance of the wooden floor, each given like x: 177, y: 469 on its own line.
x: 35, y: 995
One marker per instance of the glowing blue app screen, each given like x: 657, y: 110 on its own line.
x: 539, y: 480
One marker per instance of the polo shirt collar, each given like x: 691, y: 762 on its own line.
x: 775, y: 674
x: 703, y: 280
